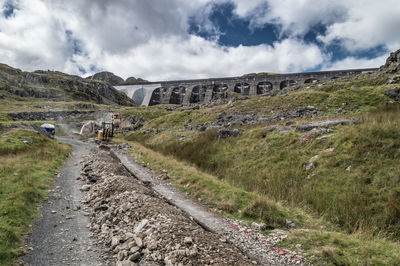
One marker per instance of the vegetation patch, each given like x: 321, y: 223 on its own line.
x: 29, y: 162
x: 336, y: 248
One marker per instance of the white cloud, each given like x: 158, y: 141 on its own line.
x: 135, y: 38
x: 177, y: 58
x: 354, y: 63
x: 369, y: 24
x: 150, y: 39
x: 357, y: 25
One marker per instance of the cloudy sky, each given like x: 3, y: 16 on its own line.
x: 183, y: 39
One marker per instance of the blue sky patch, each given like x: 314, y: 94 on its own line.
x: 9, y: 8
x: 75, y: 43
x: 234, y: 31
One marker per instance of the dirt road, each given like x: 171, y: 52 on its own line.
x: 60, y: 235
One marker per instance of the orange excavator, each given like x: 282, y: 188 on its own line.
x: 106, y: 133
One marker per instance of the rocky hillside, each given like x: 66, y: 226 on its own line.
x: 115, y: 80
x: 57, y: 86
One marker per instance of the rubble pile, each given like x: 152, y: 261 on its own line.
x: 139, y: 226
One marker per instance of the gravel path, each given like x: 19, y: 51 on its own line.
x: 60, y: 236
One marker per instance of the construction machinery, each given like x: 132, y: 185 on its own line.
x: 106, y: 132
x: 116, y: 119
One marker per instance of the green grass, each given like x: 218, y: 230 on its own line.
x: 335, y: 248
x: 26, y: 173
x: 274, y: 166
x: 321, y: 242
x: 221, y: 195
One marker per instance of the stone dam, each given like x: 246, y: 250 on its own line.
x: 185, y: 92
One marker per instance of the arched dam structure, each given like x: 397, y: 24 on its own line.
x: 186, y: 92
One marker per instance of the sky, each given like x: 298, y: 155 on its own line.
x: 188, y: 39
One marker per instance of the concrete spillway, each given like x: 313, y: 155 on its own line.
x: 140, y: 94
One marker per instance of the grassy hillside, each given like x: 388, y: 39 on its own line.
x: 28, y: 164
x: 350, y: 195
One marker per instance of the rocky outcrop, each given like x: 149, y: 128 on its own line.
x: 392, y: 64
x: 239, y: 119
x: 57, y: 86
x: 133, y: 81
x: 393, y: 94
x: 107, y: 77
x: 325, y: 124
x: 46, y: 116
x: 114, y: 80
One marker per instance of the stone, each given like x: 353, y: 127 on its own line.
x: 188, y: 240
x: 310, y: 163
x: 129, y: 235
x: 314, y: 133
x: 326, y: 123
x: 193, y: 251
x: 122, y: 255
x: 134, y: 249
x: 86, y: 187
x: 125, y: 263
x: 139, y: 242
x: 284, y: 130
x: 290, y: 223
x: 135, y: 256
x: 258, y: 226
x: 114, y: 242
x: 226, y: 133
x: 268, y: 129
x: 140, y: 226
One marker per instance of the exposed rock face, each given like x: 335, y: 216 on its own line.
x: 393, y: 59
x: 115, y: 80
x: 394, y: 94
x: 132, y: 81
x: 107, y: 77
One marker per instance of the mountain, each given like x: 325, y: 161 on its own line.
x: 57, y: 86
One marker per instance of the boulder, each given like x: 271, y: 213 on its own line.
x: 226, y: 133
x: 269, y: 129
